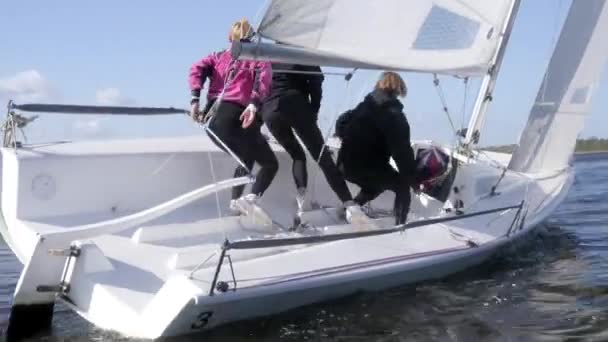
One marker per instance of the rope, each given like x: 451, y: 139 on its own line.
x: 232, y: 154
x: 209, y: 116
x: 217, y: 196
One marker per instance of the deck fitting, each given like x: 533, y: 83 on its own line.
x: 222, y: 286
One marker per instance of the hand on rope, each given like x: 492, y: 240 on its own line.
x: 248, y: 115
x: 195, y: 113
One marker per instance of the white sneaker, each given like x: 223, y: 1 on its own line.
x: 300, y: 197
x: 247, y: 206
x: 356, y: 216
x: 233, y: 207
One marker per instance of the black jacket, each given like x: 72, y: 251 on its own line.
x: 373, y: 132
x: 307, y: 85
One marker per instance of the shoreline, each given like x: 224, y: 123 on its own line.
x: 575, y: 153
x: 590, y: 152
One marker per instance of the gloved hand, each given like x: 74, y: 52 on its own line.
x: 248, y: 115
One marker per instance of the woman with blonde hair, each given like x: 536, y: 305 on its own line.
x: 236, y: 90
x: 372, y: 133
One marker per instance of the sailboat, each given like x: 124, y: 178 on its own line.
x: 136, y: 237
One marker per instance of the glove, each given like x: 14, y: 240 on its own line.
x: 248, y: 115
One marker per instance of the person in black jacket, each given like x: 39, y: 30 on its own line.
x: 293, y: 103
x: 372, y: 133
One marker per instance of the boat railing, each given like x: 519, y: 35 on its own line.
x: 302, y: 240
x: 117, y: 225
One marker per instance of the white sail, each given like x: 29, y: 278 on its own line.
x: 443, y: 36
x: 564, y: 99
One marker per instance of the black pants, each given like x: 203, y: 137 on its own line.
x: 374, y: 181
x: 294, y: 111
x: 248, y: 144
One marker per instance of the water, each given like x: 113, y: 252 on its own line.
x: 553, y: 288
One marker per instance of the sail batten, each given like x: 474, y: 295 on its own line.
x: 443, y: 36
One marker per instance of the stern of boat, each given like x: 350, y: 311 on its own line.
x: 55, y: 195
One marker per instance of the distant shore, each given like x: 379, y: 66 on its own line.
x: 575, y: 153
x: 591, y: 145
x: 591, y: 152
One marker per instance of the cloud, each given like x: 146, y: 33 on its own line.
x: 112, y: 97
x: 90, y: 127
x: 98, y: 126
x: 27, y: 86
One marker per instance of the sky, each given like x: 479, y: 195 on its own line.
x: 139, y: 53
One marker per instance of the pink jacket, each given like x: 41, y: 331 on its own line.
x: 245, y: 87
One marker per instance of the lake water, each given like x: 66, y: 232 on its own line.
x: 552, y: 288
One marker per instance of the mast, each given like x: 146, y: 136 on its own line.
x: 484, y: 97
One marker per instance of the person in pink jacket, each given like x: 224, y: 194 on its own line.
x: 236, y: 90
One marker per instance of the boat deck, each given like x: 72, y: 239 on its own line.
x: 146, y: 257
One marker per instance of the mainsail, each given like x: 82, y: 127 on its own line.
x: 564, y: 99
x: 441, y: 36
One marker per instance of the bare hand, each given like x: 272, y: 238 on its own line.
x: 248, y: 116
x: 195, y: 114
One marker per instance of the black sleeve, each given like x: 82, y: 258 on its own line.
x: 314, y: 84
x: 397, y: 135
x: 341, y: 123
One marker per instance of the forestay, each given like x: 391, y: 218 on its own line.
x: 564, y: 98
x: 442, y: 36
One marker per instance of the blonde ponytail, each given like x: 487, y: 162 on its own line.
x: 240, y: 30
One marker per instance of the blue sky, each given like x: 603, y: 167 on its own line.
x: 138, y: 52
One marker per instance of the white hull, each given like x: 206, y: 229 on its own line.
x: 140, y: 273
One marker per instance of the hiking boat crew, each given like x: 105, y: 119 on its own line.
x: 236, y: 90
x: 293, y: 106
x: 372, y: 133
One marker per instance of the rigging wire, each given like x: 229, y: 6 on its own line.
x: 464, y: 100
x: 339, y: 105
x: 443, y: 102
